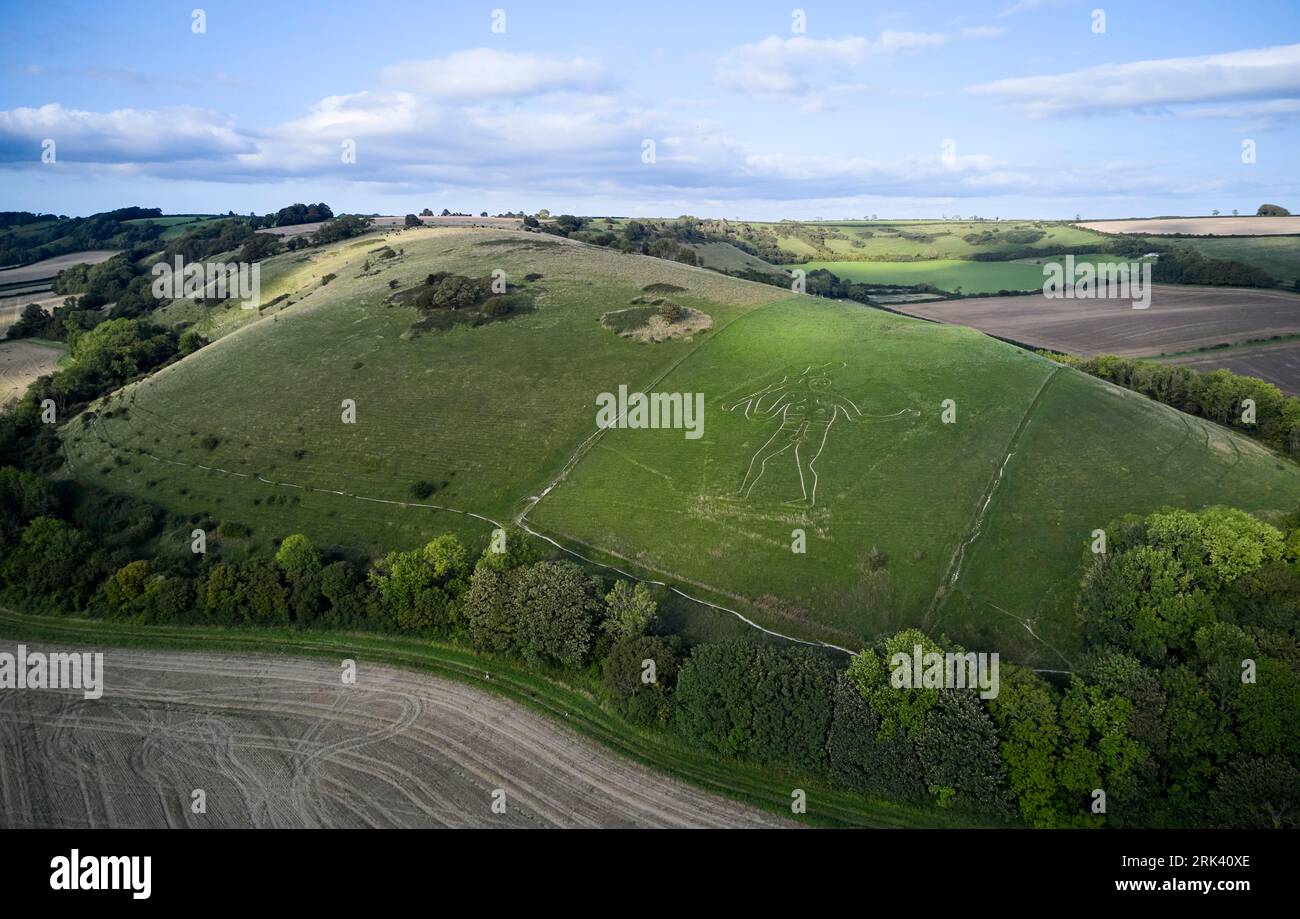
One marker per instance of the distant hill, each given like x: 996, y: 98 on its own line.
x: 26, y: 238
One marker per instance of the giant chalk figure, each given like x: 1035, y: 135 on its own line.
x: 808, y: 408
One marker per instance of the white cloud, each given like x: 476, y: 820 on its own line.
x: 121, y: 135
x: 569, y: 146
x: 1261, y: 73
x: 484, y: 73
x: 528, y: 129
x: 800, y: 65
x: 359, y: 114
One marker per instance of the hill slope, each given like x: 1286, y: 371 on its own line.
x: 820, y: 416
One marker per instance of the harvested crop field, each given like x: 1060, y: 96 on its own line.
x: 21, y: 362
x: 1178, y: 319
x: 48, y: 268
x: 12, y: 307
x: 282, y: 742
x: 1201, y: 226
x: 1277, y: 362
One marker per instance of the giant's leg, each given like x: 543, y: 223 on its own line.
x: 782, y: 439
x: 810, y: 448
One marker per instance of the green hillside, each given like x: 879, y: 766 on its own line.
x: 1278, y: 255
x: 1088, y: 454
x: 906, y: 240
x: 248, y: 430
x: 491, y: 411
x: 946, y: 274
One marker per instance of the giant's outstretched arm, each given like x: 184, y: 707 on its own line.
x: 905, y: 413
x: 853, y: 413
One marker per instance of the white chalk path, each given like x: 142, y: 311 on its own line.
x: 949, y: 582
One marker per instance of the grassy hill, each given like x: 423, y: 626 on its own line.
x: 905, y: 240
x: 175, y: 224
x: 491, y: 412
x: 1278, y: 255
x: 727, y: 258
x: 248, y: 430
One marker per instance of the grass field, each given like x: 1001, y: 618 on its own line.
x: 910, y: 487
x: 917, y: 240
x: 177, y: 224
x: 1087, y: 455
x: 292, y: 275
x: 946, y: 274
x: 249, y: 430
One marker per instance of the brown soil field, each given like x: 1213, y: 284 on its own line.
x: 503, y: 223
x: 21, y: 362
x: 38, y: 271
x: 1276, y: 362
x: 281, y: 742
x: 1200, y: 226
x: 1179, y: 319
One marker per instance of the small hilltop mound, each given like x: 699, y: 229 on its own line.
x: 659, y: 320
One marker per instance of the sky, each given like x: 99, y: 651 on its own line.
x: 754, y: 110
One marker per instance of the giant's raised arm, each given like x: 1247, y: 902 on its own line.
x: 777, y: 408
x: 753, y: 400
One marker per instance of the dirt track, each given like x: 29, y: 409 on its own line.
x: 281, y: 742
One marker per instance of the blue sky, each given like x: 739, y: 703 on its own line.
x: 1045, y: 116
